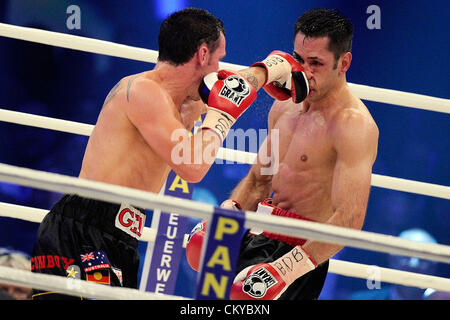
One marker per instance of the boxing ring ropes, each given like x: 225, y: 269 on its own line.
x: 297, y: 228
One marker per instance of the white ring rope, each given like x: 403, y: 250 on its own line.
x: 344, y: 268
x: 33, y: 120
x: 282, y: 225
x: 380, y: 181
x: 404, y: 278
x: 77, y: 287
x: 394, y: 97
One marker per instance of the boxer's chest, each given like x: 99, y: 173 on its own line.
x: 304, y: 140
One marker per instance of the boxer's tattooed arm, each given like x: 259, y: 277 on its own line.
x: 130, y: 81
x: 250, y: 77
x: 112, y: 93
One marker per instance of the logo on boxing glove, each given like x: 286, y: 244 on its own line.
x: 258, y: 282
x: 235, y: 89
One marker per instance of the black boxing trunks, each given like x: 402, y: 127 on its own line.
x: 90, y: 240
x: 262, y: 247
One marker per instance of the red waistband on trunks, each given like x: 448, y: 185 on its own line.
x: 293, y: 241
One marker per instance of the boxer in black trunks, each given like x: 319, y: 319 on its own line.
x: 327, y: 147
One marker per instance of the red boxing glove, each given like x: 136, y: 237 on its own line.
x: 268, y: 281
x: 285, y: 77
x: 227, y: 96
x: 195, y: 240
x: 194, y: 245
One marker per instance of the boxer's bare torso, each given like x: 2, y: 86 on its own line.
x: 307, y: 152
x: 117, y: 152
x: 325, y: 153
x: 326, y: 150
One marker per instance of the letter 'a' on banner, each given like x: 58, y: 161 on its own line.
x: 224, y: 233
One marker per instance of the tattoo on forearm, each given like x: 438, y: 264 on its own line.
x: 112, y: 93
x: 250, y: 77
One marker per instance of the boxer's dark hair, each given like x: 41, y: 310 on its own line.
x: 182, y: 33
x: 327, y: 23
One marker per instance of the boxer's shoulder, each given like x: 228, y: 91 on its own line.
x: 282, y: 110
x: 147, y: 93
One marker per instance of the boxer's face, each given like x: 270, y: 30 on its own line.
x: 321, y: 67
x: 208, y: 62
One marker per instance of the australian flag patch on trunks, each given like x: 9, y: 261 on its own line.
x: 94, y: 260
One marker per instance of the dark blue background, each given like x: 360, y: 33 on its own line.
x: 409, y: 53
